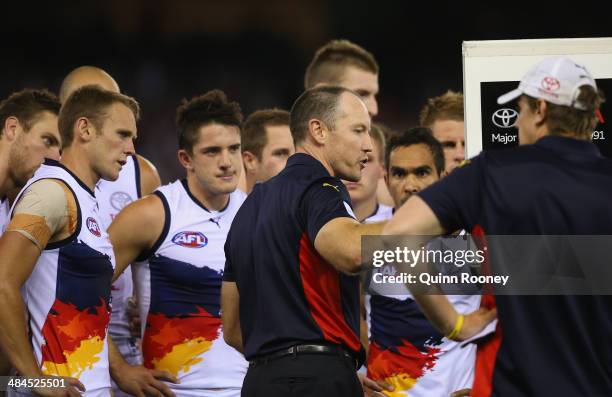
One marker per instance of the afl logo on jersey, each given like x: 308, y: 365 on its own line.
x: 190, y: 239
x: 92, y: 226
x: 118, y: 200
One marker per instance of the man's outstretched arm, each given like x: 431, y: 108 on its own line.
x: 415, y: 218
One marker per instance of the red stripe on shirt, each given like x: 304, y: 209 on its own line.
x: 321, y: 283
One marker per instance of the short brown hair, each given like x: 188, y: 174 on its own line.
x: 330, y: 60
x: 315, y: 103
x: 92, y: 102
x: 377, y: 134
x: 565, y: 119
x: 26, y: 105
x: 210, y: 107
x: 448, y: 106
x: 253, y: 135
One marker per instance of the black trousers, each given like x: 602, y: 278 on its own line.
x: 304, y: 375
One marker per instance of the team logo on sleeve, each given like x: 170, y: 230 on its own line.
x: 190, y: 239
x: 93, y: 227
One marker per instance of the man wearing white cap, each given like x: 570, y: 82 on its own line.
x: 555, y: 183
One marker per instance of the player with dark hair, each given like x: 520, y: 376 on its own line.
x: 406, y: 351
x: 180, y: 230
x: 28, y: 135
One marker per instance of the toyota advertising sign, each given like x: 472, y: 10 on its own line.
x: 493, y: 68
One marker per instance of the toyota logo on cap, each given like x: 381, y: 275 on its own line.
x: 550, y: 84
x: 505, y: 118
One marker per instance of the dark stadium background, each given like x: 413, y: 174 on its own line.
x: 256, y: 51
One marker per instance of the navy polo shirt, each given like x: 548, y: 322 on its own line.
x: 550, y: 345
x: 288, y: 293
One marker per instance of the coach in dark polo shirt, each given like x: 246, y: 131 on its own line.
x: 556, y: 183
x: 290, y: 296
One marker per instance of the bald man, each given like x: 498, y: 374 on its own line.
x: 137, y: 178
x: 86, y: 75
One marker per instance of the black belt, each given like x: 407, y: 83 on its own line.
x: 306, y: 349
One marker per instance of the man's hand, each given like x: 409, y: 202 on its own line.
x: 140, y: 381
x: 475, y: 322
x: 73, y: 388
x: 133, y: 317
x: 373, y: 388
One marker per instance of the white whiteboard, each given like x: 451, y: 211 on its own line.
x: 509, y: 60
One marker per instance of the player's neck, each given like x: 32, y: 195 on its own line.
x: 78, y: 163
x: 364, y: 209
x: 213, y: 202
x: 250, y: 182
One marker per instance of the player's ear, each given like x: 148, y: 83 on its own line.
x: 185, y: 159
x: 84, y: 129
x: 10, y: 128
x: 250, y: 161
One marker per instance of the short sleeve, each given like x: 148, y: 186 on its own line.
x: 324, y: 200
x: 456, y: 199
x: 43, y: 209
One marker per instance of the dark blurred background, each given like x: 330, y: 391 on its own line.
x: 161, y: 51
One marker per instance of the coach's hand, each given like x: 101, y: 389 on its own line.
x: 372, y: 388
x: 140, y: 381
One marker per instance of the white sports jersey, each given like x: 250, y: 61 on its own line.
x: 406, y: 350
x: 4, y: 214
x: 382, y: 213
x: 67, y: 295
x: 179, y: 292
x: 112, y: 197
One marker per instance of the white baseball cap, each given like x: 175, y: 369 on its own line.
x: 556, y: 80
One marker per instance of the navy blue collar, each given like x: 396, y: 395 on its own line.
x: 570, y: 147
x: 308, y: 160
x: 198, y: 202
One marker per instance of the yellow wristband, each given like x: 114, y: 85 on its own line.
x: 457, y: 329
